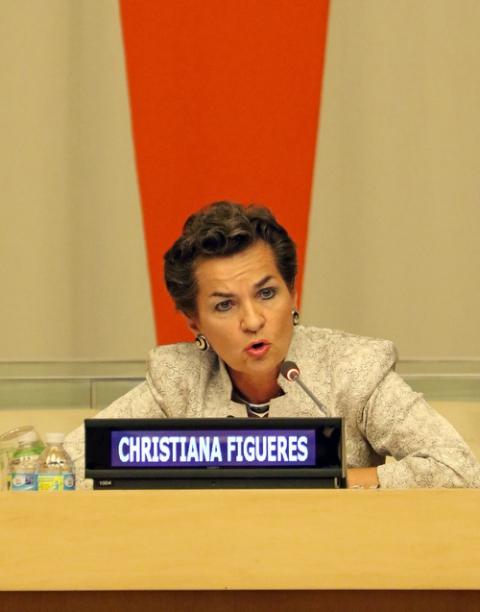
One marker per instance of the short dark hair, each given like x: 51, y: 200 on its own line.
x: 219, y: 230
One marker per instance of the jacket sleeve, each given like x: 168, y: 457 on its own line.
x: 428, y: 451
x: 141, y: 402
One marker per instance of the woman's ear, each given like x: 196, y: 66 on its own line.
x: 294, y: 298
x: 191, y: 324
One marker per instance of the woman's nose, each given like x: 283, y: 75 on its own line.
x: 252, y: 319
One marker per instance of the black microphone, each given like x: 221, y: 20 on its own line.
x: 291, y: 372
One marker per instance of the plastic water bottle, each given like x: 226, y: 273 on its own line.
x: 24, y: 462
x: 56, y: 471
x: 8, y: 446
x: 7, y: 449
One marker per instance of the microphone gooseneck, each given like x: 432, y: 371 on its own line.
x: 291, y: 372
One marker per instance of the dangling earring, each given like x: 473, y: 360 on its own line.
x: 202, y: 343
x: 295, y: 317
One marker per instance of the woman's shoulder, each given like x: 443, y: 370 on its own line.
x: 178, y: 350
x: 178, y: 362
x: 345, y: 352
x: 343, y: 340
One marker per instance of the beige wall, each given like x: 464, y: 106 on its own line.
x: 73, y: 268
x: 394, y: 247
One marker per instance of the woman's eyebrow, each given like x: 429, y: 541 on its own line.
x: 221, y: 294
x: 263, y: 281
x: 257, y: 285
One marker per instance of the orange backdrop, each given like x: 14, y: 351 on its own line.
x: 224, y: 98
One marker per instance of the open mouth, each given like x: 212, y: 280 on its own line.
x: 258, y: 348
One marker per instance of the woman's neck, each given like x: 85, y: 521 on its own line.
x: 258, y: 391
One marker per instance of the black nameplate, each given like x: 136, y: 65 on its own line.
x: 227, y: 453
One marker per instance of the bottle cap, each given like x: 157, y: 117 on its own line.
x: 54, y: 438
x: 13, y: 434
x: 28, y: 436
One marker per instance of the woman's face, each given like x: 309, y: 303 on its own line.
x: 244, y: 309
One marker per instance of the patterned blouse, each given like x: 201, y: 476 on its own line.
x: 352, y: 376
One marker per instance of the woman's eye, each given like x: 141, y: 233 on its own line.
x: 267, y: 293
x: 223, y: 306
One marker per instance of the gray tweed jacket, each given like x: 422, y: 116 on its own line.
x: 352, y: 376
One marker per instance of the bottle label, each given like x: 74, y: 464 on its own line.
x: 23, y: 481
x: 56, y: 482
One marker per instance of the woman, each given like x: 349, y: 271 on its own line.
x: 232, y: 275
